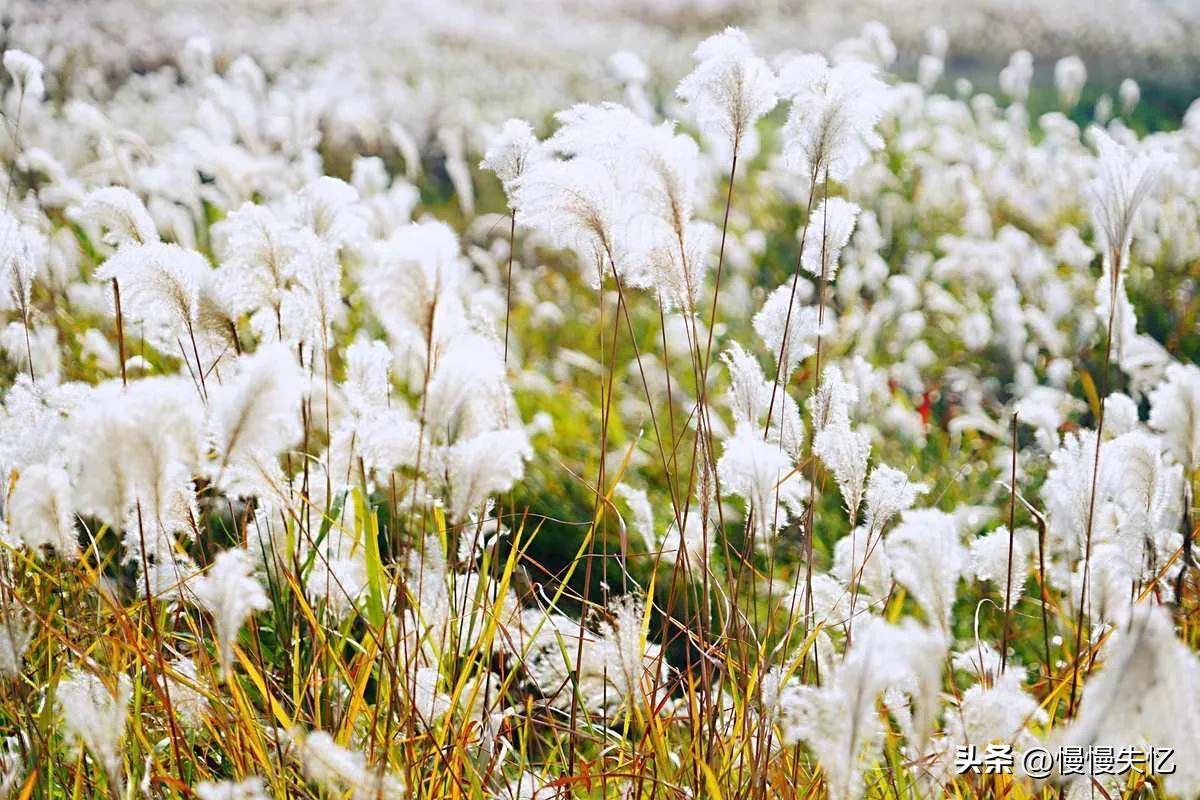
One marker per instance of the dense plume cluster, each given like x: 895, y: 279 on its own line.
x: 781, y: 432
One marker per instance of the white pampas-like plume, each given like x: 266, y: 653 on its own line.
x: 1145, y: 692
x: 122, y: 214
x: 257, y: 250
x: 677, y: 270
x: 337, y: 769
x: 889, y: 492
x: 830, y: 403
x: 989, y: 561
x: 15, y: 635
x: 12, y: 763
x: 248, y: 789
x: 1016, y: 76
x: 329, y: 208
x: 481, y: 466
x: 845, y: 453
x: 577, y: 205
x: 1122, y: 182
x: 196, y: 59
x: 230, y: 593
x: 18, y: 265
x: 801, y: 327
x: 1070, y: 74
x: 135, y: 444
x: 311, y: 305
x: 762, y: 475
x: 1066, y: 491
x: 927, y: 559
x: 368, y: 382
x: 40, y: 510
x: 860, y: 561
x: 641, y: 512
x: 656, y: 174
x: 827, y: 233
x: 839, y: 720
x: 1129, y: 93
x: 618, y: 667
x: 994, y: 709
x: 414, y: 285
x: 510, y: 151
x: 750, y: 397
x: 188, y: 703
x: 160, y: 288
x: 256, y: 415
x: 468, y: 393
x: 26, y: 72
x: 1175, y: 412
x: 729, y: 90
x: 94, y: 716
x: 830, y: 129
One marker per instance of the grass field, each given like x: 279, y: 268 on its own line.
x: 798, y: 431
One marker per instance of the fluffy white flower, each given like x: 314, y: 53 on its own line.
x: 641, y: 511
x: 136, y: 445
x: 12, y: 764
x: 860, y: 561
x: 1146, y: 693
x: 160, y: 289
x: 256, y: 414
x: 414, y: 286
x: 510, y: 151
x: 759, y: 472
x: 337, y: 580
x: 1070, y: 74
x: 801, y: 327
x: 1122, y: 182
x: 929, y: 69
x: 889, y: 492
x: 368, y: 383
x: 618, y: 667
x: 750, y: 397
x: 988, y: 560
x: 830, y: 402
x: 1129, y: 93
x: 229, y: 591
x: 1120, y: 414
x: 248, y: 789
x: 577, y: 205
x: 830, y: 130
x: 19, y: 265
x: 677, y: 268
x: 845, y: 452
x: 122, y: 214
x: 839, y: 721
x: 827, y: 233
x: 927, y: 559
x: 40, y: 510
x: 1016, y: 76
x: 329, y: 208
x: 188, y: 703
x: 26, y: 72
x: 990, y: 711
x: 1175, y: 412
x: 338, y: 769
x: 15, y: 635
x: 482, y: 466
x: 729, y: 90
x: 693, y: 547
x: 94, y: 715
